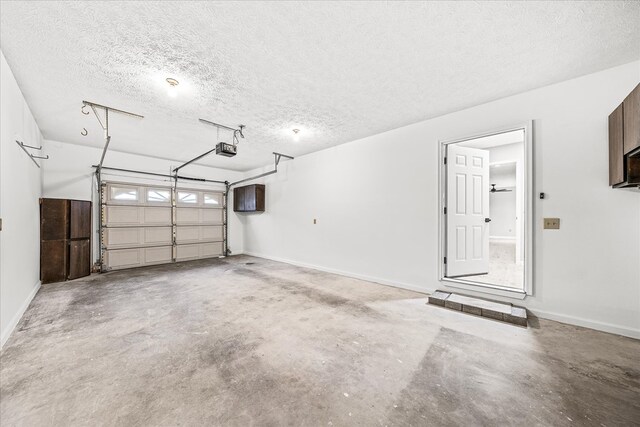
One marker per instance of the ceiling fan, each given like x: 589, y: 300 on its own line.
x: 496, y: 190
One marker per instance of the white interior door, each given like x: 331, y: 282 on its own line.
x: 467, y: 211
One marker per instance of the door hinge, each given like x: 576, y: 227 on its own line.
x: 445, y: 210
x: 445, y: 260
x: 445, y: 160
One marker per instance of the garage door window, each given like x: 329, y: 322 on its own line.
x: 187, y: 197
x: 212, y: 199
x: 158, y: 196
x: 124, y: 194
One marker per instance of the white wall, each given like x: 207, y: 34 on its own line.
x: 512, y: 153
x: 376, y: 204
x: 503, y: 214
x: 68, y: 175
x: 20, y: 186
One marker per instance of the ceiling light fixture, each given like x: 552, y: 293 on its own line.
x: 172, y: 91
x: 296, y: 137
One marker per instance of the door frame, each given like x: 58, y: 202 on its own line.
x: 519, y: 236
x: 528, y: 217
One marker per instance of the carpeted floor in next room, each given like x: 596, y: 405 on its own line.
x: 245, y: 341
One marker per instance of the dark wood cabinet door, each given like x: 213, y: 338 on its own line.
x: 238, y: 199
x: 54, y: 219
x: 631, y: 120
x: 259, y: 192
x: 53, y: 261
x: 80, y: 219
x: 616, y: 158
x: 250, y: 198
x: 79, y: 258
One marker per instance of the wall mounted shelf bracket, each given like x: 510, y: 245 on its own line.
x: 31, y: 155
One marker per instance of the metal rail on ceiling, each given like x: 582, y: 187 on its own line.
x: 236, y: 131
x: 187, y: 178
x: 277, y: 158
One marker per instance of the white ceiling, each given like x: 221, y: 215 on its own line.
x: 337, y: 71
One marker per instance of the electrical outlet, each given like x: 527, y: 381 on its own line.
x: 552, y: 223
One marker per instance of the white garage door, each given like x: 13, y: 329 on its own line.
x: 146, y: 225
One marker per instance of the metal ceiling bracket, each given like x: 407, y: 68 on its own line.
x: 236, y: 132
x: 277, y: 158
x: 107, y: 139
x: 193, y: 160
x: 105, y: 125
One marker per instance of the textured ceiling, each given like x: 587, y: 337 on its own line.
x: 338, y: 71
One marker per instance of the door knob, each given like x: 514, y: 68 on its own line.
x: 487, y: 220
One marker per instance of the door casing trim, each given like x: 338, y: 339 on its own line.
x: 528, y: 216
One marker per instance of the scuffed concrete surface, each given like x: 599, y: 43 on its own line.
x: 245, y: 341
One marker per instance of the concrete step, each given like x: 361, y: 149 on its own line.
x: 480, y: 307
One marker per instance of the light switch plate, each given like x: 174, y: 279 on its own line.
x: 552, y: 223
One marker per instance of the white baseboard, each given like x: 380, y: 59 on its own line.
x: 586, y: 323
x: 562, y: 318
x: 395, y: 284
x: 16, y: 318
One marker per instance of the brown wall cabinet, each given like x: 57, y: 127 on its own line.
x: 624, y: 142
x: 249, y: 198
x: 65, y: 239
x: 631, y: 110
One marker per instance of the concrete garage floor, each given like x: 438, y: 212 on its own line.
x: 246, y: 341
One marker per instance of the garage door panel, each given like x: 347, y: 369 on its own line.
x: 156, y: 215
x: 137, y: 215
x: 122, y: 215
x: 188, y: 234
x: 122, y: 237
x: 116, y: 259
x: 212, y: 233
x: 158, y: 235
x: 211, y: 216
x: 211, y: 249
x: 185, y: 252
x: 139, y: 223
x: 194, y: 216
x: 157, y: 255
x: 136, y: 236
x: 187, y: 216
x: 123, y: 258
x: 199, y: 250
x: 195, y: 233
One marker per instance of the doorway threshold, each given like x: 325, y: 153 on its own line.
x: 504, y: 312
